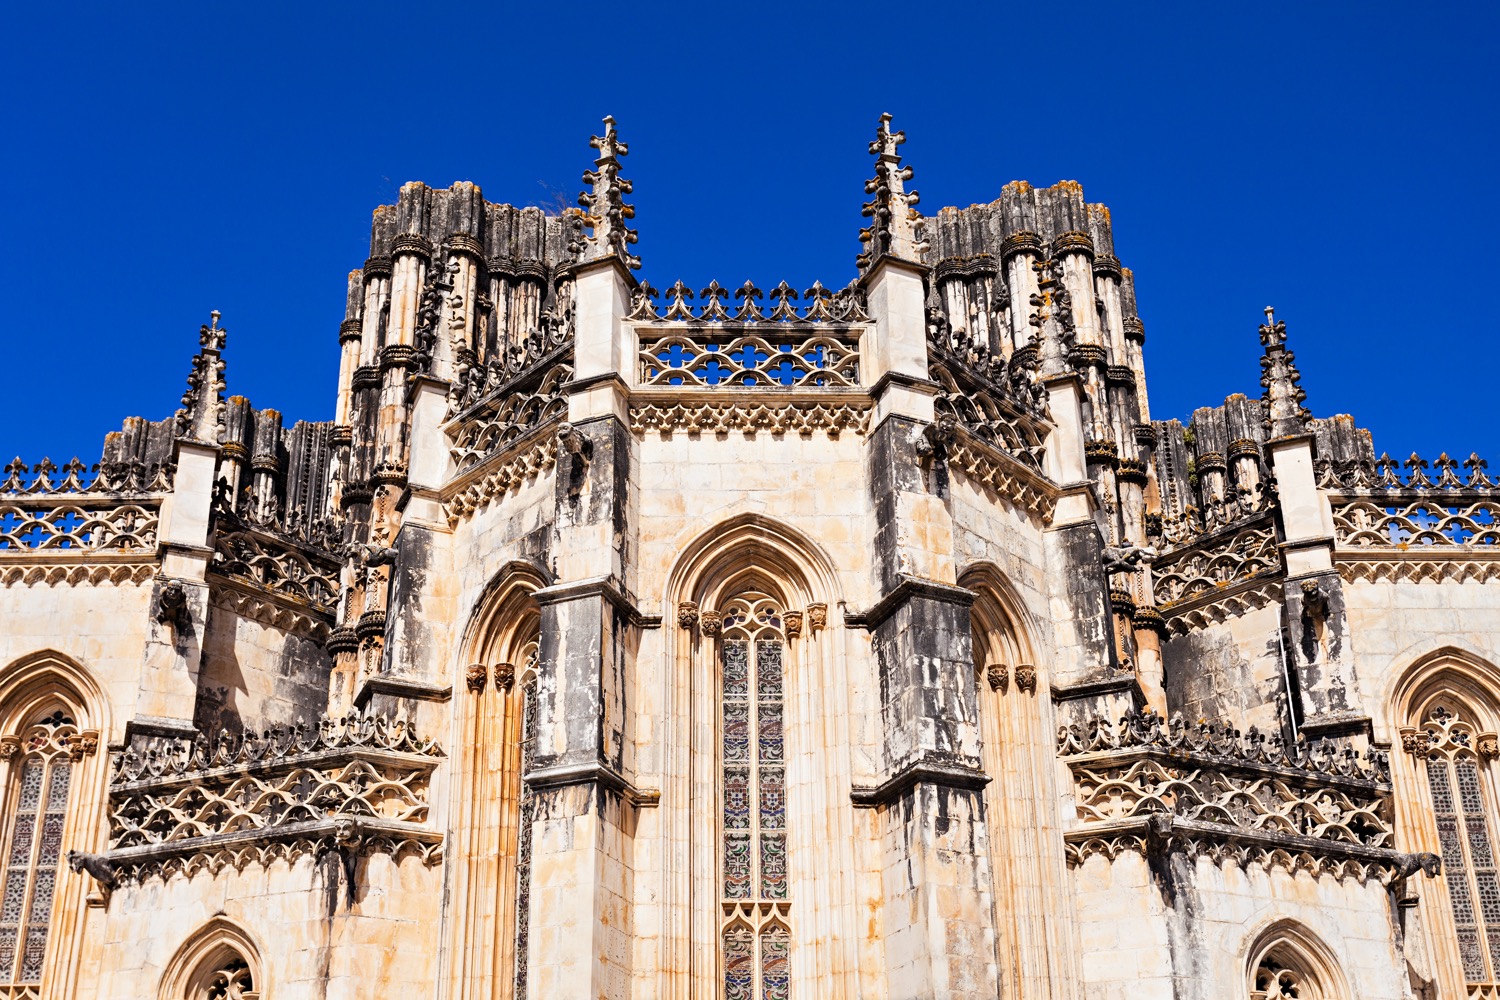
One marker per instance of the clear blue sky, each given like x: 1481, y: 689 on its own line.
x: 1337, y: 161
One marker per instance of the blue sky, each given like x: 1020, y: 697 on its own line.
x: 1337, y: 161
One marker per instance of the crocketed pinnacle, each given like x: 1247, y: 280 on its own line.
x: 896, y: 227
x: 1281, y: 403
x: 604, y: 208
x: 201, y: 417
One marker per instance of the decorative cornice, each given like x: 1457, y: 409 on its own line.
x: 84, y: 568
x: 250, y: 601
x: 592, y: 773
x: 932, y: 769
x: 1002, y: 474
x: 501, y: 473
x: 782, y: 413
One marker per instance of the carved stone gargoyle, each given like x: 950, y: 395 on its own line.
x: 172, y: 606
x: 1408, y: 865
x: 573, y: 453
x: 932, y: 439
x: 97, y: 865
x: 1128, y: 558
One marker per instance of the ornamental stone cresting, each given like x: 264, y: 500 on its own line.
x: 748, y: 642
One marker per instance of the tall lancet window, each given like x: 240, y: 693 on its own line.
x: 1461, y: 799
x: 755, y: 934
x: 37, y: 808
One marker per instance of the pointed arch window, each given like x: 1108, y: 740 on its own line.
x: 755, y: 934
x: 1290, y: 964
x: 1462, y: 807
x: 35, y: 815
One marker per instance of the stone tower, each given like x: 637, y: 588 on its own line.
x: 868, y: 640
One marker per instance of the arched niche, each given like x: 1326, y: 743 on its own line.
x: 220, y: 961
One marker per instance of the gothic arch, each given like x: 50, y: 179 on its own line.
x: 47, y: 677
x: 487, y: 925
x: 1029, y: 872
x: 505, y: 618
x: 220, y: 959
x: 1452, y: 671
x: 1287, y: 960
x: 745, y: 581
x: 751, y: 549
x: 53, y: 715
x: 1444, y: 708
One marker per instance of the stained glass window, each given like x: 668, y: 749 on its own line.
x: 756, y: 940
x: 42, y: 773
x: 1458, y: 793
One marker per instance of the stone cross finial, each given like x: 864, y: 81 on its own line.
x: 201, y: 417
x: 896, y: 226
x: 1282, y: 411
x: 604, y: 208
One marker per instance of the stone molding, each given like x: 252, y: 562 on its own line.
x: 773, y: 413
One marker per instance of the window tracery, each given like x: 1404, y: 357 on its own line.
x: 231, y: 981
x: 1461, y: 800
x: 1274, y: 981
x: 37, y: 806
x: 755, y: 936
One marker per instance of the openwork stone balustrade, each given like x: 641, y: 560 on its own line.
x: 1246, y: 552
x: 356, y: 783
x: 77, y: 508
x: 1144, y: 786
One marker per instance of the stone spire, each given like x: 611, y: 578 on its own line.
x: 201, y: 417
x: 1281, y: 403
x: 896, y: 227
x: 604, y: 208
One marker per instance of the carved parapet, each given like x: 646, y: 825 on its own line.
x: 1143, y: 786
x: 356, y: 782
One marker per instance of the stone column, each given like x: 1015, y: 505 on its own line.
x: 937, y: 881
x: 580, y: 917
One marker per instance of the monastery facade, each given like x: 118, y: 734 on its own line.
x: 857, y: 642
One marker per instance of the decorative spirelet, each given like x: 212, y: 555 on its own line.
x: 895, y: 228
x: 604, y: 207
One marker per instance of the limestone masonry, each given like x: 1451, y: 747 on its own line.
x: 863, y: 641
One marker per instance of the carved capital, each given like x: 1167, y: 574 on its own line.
x: 1488, y: 746
x: 712, y: 621
x: 9, y: 746
x: 505, y: 676
x: 817, y: 616
x: 83, y: 743
x: 687, y: 614
x: 1026, y: 678
x: 1416, y: 742
x: 475, y: 677
x: 793, y: 621
x: 998, y: 674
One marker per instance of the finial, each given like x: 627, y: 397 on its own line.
x: 604, y: 205
x: 202, y: 413
x: 1281, y: 403
x: 896, y: 226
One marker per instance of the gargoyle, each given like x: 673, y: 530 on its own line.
x: 932, y: 439
x: 171, y: 605
x: 1127, y: 558
x: 98, y: 867
x: 574, y: 453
